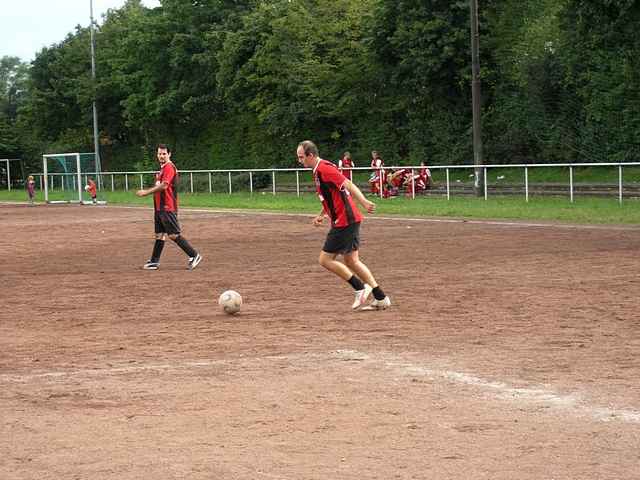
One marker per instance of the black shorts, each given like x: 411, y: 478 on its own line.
x: 167, y: 222
x: 343, y: 240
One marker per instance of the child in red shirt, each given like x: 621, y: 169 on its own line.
x: 31, y: 188
x: 92, y: 190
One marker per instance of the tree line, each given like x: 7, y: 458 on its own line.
x: 237, y: 83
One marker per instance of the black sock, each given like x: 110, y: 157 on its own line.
x: 157, y: 250
x: 378, y: 294
x: 356, y: 283
x: 185, y: 246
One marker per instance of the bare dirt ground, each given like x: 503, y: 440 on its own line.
x: 511, y: 351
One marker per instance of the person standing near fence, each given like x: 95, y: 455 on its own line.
x: 336, y: 194
x: 165, y: 201
x: 31, y: 189
x: 345, y: 164
x: 92, y: 189
x: 378, y: 177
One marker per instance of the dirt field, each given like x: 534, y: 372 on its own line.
x: 512, y: 351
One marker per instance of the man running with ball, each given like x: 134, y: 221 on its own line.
x: 336, y: 194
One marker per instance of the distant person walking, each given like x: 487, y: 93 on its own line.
x: 31, y: 189
x: 336, y: 194
x: 165, y: 201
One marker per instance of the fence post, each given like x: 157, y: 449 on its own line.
x: 113, y: 185
x: 141, y: 182
x: 210, y: 190
x: 413, y: 186
x: 448, y: 187
x: 620, y: 184
x: 126, y: 182
x: 229, y: 182
x: 251, y: 182
x: 380, y: 175
x: 526, y: 184
x: 191, y: 180
x: 484, y: 170
x: 297, y: 183
x: 571, y: 184
x: 273, y: 181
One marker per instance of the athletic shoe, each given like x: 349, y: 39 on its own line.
x: 381, y: 304
x: 194, y: 261
x: 151, y: 265
x: 361, y: 297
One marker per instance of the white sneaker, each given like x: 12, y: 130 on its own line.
x: 361, y: 297
x: 194, y: 261
x: 381, y: 304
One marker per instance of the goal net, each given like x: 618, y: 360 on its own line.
x: 66, y: 175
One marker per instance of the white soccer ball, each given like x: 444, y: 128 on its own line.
x: 230, y: 301
x: 86, y: 188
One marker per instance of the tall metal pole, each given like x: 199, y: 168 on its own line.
x: 476, y: 99
x: 96, y: 143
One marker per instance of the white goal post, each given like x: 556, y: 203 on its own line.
x: 65, y: 174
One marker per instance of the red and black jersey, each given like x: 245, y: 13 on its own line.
x: 336, y: 200
x: 167, y: 200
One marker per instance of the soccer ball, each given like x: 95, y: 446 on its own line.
x: 230, y: 301
x: 86, y: 188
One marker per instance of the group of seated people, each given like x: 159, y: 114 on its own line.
x: 393, y: 181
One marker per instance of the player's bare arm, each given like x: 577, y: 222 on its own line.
x: 359, y: 196
x: 161, y: 186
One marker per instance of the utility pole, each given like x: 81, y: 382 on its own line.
x: 96, y: 143
x: 478, y: 160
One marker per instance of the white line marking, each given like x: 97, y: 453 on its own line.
x: 500, y: 390
x: 539, y: 396
x: 499, y: 223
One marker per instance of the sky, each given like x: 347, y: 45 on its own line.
x: 29, y: 25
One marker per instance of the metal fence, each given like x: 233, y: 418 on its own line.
x: 288, y: 180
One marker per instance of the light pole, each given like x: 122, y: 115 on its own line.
x: 96, y: 143
x: 478, y: 160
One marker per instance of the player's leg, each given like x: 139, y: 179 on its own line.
x: 339, y: 241
x: 154, y: 262
x: 173, y: 229
x: 352, y: 260
x: 328, y: 261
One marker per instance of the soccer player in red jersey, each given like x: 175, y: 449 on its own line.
x: 336, y: 194
x: 165, y: 201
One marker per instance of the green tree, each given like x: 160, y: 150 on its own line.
x: 13, y: 80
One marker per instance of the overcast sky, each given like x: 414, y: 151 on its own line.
x: 29, y: 25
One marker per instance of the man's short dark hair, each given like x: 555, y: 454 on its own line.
x: 309, y: 147
x: 163, y: 146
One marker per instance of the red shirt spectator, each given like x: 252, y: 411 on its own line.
x: 93, y: 189
x: 345, y: 164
